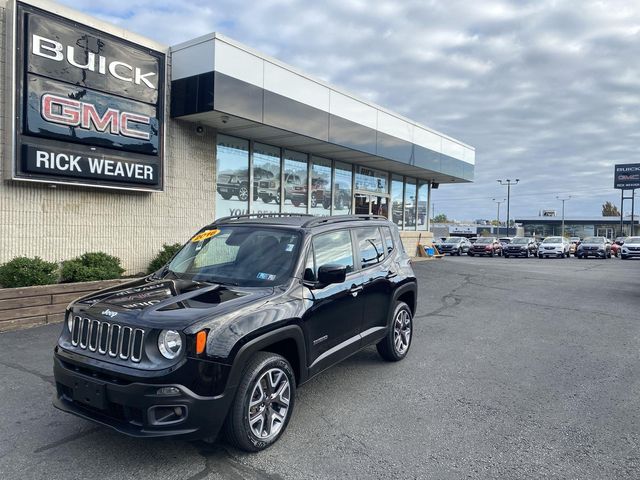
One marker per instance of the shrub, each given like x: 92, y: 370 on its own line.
x: 91, y: 266
x: 163, y: 256
x: 24, y: 272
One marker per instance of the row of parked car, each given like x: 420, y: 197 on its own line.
x: 599, y: 247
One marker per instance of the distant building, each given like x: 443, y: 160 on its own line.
x: 576, y: 226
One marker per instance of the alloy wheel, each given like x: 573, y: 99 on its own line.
x: 269, y: 404
x: 402, y: 331
x: 243, y: 193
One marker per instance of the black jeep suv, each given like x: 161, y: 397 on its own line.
x: 247, y: 311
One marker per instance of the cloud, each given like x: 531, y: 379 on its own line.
x: 546, y: 90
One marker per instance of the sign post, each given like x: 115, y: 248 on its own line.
x: 627, y: 177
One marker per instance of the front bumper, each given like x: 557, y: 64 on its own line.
x: 591, y: 253
x: 135, y: 408
x: 556, y: 252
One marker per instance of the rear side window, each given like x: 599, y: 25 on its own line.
x: 388, y: 239
x: 370, y: 246
x: 333, y: 247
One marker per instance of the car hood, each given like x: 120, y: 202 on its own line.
x: 583, y: 244
x: 152, y: 303
x: 552, y: 245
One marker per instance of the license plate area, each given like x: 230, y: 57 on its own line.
x: 90, y: 392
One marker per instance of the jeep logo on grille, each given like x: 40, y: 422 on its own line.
x: 109, y: 313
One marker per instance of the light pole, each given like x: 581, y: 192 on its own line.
x: 498, y: 218
x: 563, y: 200
x: 508, y: 183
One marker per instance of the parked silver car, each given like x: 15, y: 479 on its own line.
x: 455, y: 246
x: 594, y: 247
x: 630, y: 248
x: 554, y: 247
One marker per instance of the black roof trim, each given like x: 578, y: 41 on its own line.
x: 249, y: 216
x: 315, y: 221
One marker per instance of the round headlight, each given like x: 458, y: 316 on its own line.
x: 70, y: 321
x: 169, y: 344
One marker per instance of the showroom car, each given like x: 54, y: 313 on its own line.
x: 630, y: 248
x: 594, y: 247
x: 554, y: 247
x: 489, y: 246
x: 454, y: 246
x: 520, y: 247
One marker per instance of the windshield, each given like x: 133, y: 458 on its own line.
x: 485, y: 240
x: 520, y: 241
x: 238, y: 255
x: 593, y: 240
x: 632, y: 240
x: 552, y: 240
x: 452, y: 240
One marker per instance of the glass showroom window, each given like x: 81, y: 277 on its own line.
x: 266, y: 179
x: 295, y: 182
x: 232, y: 182
x: 423, y: 208
x: 410, y: 204
x: 371, y: 180
x: 397, y: 192
x: 342, y: 194
x: 320, y: 203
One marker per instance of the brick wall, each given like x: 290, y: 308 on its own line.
x: 63, y: 222
x: 410, y: 241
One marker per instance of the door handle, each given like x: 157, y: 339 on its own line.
x: 355, y: 290
x: 391, y: 274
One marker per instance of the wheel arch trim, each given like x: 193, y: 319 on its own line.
x: 289, y: 332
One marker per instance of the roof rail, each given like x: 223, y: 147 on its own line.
x: 259, y: 215
x: 340, y: 218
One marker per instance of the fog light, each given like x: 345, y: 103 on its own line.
x: 168, y: 391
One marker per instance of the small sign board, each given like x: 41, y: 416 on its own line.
x: 627, y: 176
x: 463, y: 229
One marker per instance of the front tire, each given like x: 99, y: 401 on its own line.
x: 263, y: 403
x: 395, y: 346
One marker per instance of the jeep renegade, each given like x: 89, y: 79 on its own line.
x: 248, y: 310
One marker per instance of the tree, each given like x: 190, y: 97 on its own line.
x: 610, y: 210
x: 440, y: 218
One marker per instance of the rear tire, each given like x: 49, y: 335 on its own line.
x: 268, y: 385
x: 395, y: 346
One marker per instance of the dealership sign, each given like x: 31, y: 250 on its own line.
x: 89, y: 106
x: 463, y: 229
x: 627, y: 176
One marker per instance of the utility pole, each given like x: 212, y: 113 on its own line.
x: 498, y: 218
x: 563, y: 200
x: 508, y: 183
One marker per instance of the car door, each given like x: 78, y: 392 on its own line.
x: 378, y: 272
x: 333, y: 316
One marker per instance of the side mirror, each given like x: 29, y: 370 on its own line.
x: 332, y: 273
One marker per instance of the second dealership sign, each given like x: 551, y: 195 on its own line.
x: 89, y: 105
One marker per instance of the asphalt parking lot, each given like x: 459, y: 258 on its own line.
x: 519, y: 368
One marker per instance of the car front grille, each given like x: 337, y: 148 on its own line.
x: 107, y: 338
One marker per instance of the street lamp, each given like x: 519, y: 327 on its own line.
x: 563, y: 200
x: 508, y: 183
x: 498, y: 218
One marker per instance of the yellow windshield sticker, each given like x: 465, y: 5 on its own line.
x: 204, y: 235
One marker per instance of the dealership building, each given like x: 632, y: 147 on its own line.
x: 547, y: 226
x: 113, y: 142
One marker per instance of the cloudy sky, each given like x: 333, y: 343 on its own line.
x: 548, y: 91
